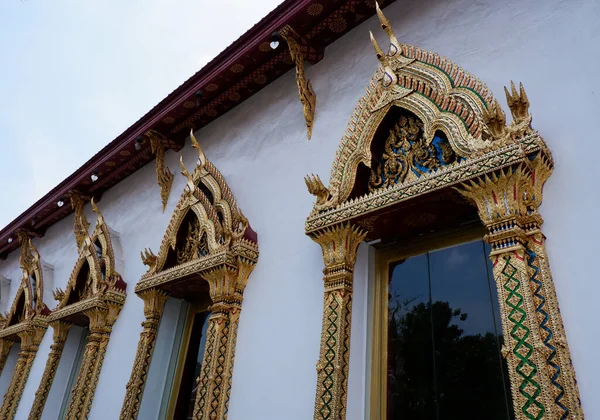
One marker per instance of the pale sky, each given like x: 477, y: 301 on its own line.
x: 74, y: 74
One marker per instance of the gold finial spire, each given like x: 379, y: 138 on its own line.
x: 378, y: 51
x: 190, y: 180
x: 96, y: 210
x: 196, y: 145
x: 389, y: 76
x: 385, y: 25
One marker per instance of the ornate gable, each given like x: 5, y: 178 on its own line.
x: 428, y: 135
x: 208, y: 249
x: 94, y: 280
x: 207, y: 228
x: 26, y: 323
x: 444, y: 98
x: 28, y: 302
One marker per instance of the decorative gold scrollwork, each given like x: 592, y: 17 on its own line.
x: 95, y: 290
x: 407, y: 155
x: 500, y: 168
x: 208, y: 236
x: 195, y: 245
x: 26, y: 322
x: 164, y: 176
x: 308, y: 98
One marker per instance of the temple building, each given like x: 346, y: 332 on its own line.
x: 355, y: 211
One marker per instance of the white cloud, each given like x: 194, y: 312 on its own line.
x: 456, y: 257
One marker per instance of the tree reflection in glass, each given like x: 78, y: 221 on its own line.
x: 444, y: 338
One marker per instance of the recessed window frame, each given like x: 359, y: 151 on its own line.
x: 192, y: 311
x: 384, y: 256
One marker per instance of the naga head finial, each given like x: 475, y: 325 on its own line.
x: 58, y: 294
x: 381, y: 56
x: 517, y: 102
x: 190, y: 180
x: 315, y: 187
x: 394, y: 48
x: 149, y: 259
x: 196, y: 145
x: 495, y: 119
x: 389, y: 76
x: 96, y: 210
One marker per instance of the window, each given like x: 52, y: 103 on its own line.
x: 85, y: 333
x: 189, y: 365
x: 438, y: 351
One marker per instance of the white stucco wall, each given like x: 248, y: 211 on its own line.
x: 262, y: 150
x: 59, y: 390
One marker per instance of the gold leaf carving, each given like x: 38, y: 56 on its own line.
x: 164, y: 176
x: 308, y: 98
x: 500, y: 168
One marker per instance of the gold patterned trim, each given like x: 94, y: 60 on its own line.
x: 218, y: 246
x: 82, y: 395
x: 30, y: 341
x: 502, y: 170
x: 154, y: 302
x: 95, y: 291
x: 24, y: 322
x: 339, y: 245
x: 61, y: 330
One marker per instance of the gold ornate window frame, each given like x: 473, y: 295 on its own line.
x: 26, y: 322
x: 192, y: 311
x: 502, y: 171
x: 97, y: 304
x: 219, y: 250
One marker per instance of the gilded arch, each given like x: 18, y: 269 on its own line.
x: 94, y: 296
x: 208, y: 248
x: 26, y: 322
x: 500, y: 168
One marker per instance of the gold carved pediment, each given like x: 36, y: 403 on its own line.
x: 440, y: 94
x: 207, y: 230
x: 28, y: 303
x: 93, y: 278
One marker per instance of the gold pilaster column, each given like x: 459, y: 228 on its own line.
x: 61, y: 330
x: 339, y: 245
x: 541, y: 375
x: 30, y: 341
x: 154, y: 302
x: 214, y: 383
x: 563, y: 391
x: 5, y: 346
x: 227, y: 283
x: 101, y: 322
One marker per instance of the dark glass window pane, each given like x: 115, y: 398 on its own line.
x: 191, y: 370
x: 468, y: 366
x: 444, y: 338
x: 410, y: 350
